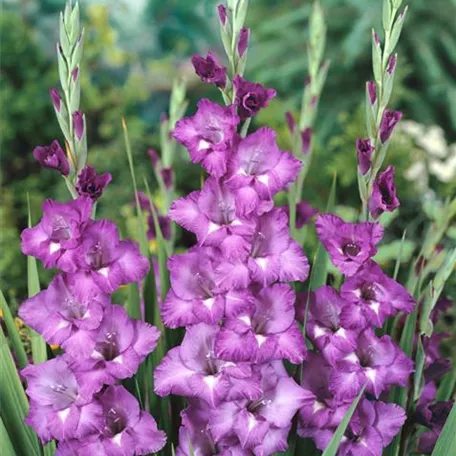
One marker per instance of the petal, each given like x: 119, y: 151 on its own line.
x: 148, y: 439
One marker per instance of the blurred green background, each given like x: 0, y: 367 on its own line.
x: 134, y: 50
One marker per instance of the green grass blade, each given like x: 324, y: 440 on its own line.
x: 14, y: 404
x: 7, y: 446
x: 399, y: 255
x: 446, y: 387
x: 333, y: 447
x: 446, y: 444
x: 13, y: 333
x: 38, y: 344
x: 320, y: 267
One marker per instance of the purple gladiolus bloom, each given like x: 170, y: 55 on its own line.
x: 258, y: 170
x: 209, y: 70
x: 372, y: 91
x: 372, y: 428
x: 373, y: 296
x: 209, y: 135
x: 384, y: 197
x: 52, y: 157
x: 67, y: 313
x: 78, y: 124
x: 266, y: 332
x: 111, y: 262
x: 90, y: 184
x: 262, y: 425
x: 54, y: 239
x: 379, y: 363
x: 349, y: 245
x: 251, y: 97
x: 364, y: 151
x: 243, y: 42
x: 389, y: 121
x: 212, y: 215
x: 192, y: 369
x: 56, y: 99
x: 57, y: 407
x: 120, y: 347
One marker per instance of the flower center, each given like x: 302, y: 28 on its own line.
x: 108, y: 348
x: 95, y: 256
x: 351, y: 249
x: 116, y: 421
x: 211, y: 364
x: 368, y: 292
x: 63, y: 392
x: 72, y: 309
x: 60, y: 230
x: 254, y: 406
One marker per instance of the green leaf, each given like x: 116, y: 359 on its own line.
x: 332, y: 448
x: 7, y: 446
x: 446, y: 444
x: 13, y: 333
x: 39, y: 354
x: 446, y: 387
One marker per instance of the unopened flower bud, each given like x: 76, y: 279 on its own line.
x: 306, y: 137
x: 75, y: 73
x: 391, y: 64
x: 56, y: 99
x: 389, y: 121
x: 383, y: 197
x: 243, y: 42
x: 372, y: 91
x: 90, y: 184
x: 168, y: 177
x: 52, y: 157
x: 209, y: 70
x: 78, y: 124
x: 154, y: 157
x: 290, y: 121
x: 222, y: 14
x: 364, y: 151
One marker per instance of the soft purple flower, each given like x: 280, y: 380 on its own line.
x: 251, y: 97
x: 262, y: 425
x: 364, y: 152
x: 56, y: 99
x: 212, y: 215
x: 209, y: 135
x: 52, y: 157
x: 265, y: 332
x: 111, y: 262
x: 243, y: 42
x: 373, y: 296
x: 389, y: 121
x: 325, y: 411
x: 54, y: 239
x: 383, y: 198
x: 349, y: 245
x: 324, y: 327
x: 121, y: 345
x: 371, y: 429
x: 67, y: 313
x: 258, y: 170
x: 90, y: 184
x: 306, y: 138
x: 222, y: 14
x: 377, y: 362
x: 372, y: 91
x: 57, y: 407
x: 78, y: 124
x: 274, y: 255
x: 193, y: 370
x: 154, y: 157
x: 209, y: 70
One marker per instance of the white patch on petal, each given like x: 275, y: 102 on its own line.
x: 118, y: 359
x: 263, y: 178
x: 104, y: 272
x: 319, y: 331
x: 86, y: 315
x: 212, y: 227
x: 352, y: 358
x: 260, y: 339
x: 245, y: 319
x: 363, y: 443
x: 96, y: 355
x: 251, y: 422
x: 236, y: 222
x: 203, y: 144
x: 210, y: 381
x: 63, y: 414
x: 54, y: 247
x: 375, y: 306
x: 317, y: 406
x: 342, y: 333
x: 241, y: 172
x: 117, y: 438
x: 209, y: 302
x: 262, y: 263
x: 63, y: 324
x: 371, y: 374
x: 357, y: 293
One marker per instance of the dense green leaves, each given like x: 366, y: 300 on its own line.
x: 446, y: 444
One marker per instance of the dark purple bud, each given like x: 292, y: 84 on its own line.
x: 389, y: 121
x: 222, y: 14
x: 391, y: 64
x: 290, y: 121
x: 306, y: 138
x: 209, y: 70
x: 154, y: 157
x: 90, y: 184
x: 78, y: 124
x: 372, y: 91
x: 167, y: 175
x: 304, y: 214
x: 144, y: 202
x: 383, y: 198
x: 251, y: 97
x: 364, y: 152
x: 164, y: 117
x: 165, y: 227
x: 52, y: 157
x: 243, y: 42
x: 75, y: 73
x: 437, y: 370
x: 375, y: 38
x: 56, y: 99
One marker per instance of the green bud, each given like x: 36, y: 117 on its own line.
x: 396, y: 32
x: 74, y: 23
x: 63, y: 70
x: 386, y: 15
x: 64, y: 40
x: 77, y: 53
x: 376, y: 57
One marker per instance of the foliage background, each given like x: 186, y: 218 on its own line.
x: 134, y: 50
